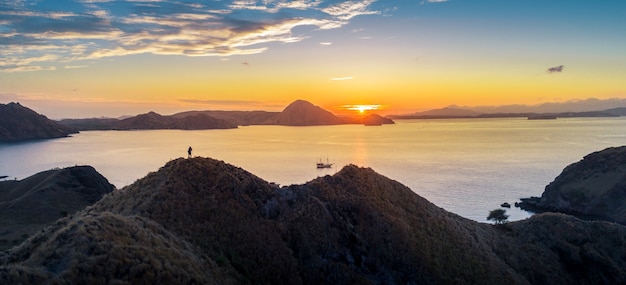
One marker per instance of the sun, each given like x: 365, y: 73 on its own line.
x: 361, y: 108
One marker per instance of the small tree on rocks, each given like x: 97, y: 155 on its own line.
x: 498, y: 215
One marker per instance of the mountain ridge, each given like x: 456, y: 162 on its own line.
x: 27, y: 205
x: 228, y: 226
x: 298, y: 113
x: 19, y: 123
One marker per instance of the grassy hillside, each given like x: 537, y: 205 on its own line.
x: 27, y: 205
x: 204, y: 221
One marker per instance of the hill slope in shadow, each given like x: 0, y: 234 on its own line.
x: 205, y: 221
x: 27, y: 205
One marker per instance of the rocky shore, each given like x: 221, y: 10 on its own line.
x: 593, y: 188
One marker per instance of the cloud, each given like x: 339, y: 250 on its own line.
x: 74, y: 66
x: 342, y: 78
x: 46, y: 35
x: 555, y: 69
x: 237, y: 104
x: 221, y: 102
x: 326, y: 43
x: 350, y: 9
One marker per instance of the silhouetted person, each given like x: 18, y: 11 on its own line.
x: 189, y: 152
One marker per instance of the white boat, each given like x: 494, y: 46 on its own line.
x: 320, y: 164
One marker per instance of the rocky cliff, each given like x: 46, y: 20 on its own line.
x: 207, y: 222
x: 27, y: 205
x: 18, y: 123
x: 594, y: 186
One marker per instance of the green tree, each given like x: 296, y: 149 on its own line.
x: 498, y: 215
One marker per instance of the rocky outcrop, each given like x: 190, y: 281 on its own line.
x: 594, y: 186
x: 27, y: 205
x: 18, y: 123
x: 204, y: 221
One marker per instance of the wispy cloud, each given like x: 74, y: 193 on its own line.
x: 350, y: 9
x: 74, y: 66
x: 236, y: 104
x: 555, y: 69
x: 221, y: 102
x: 326, y: 43
x: 342, y: 78
x: 433, y: 1
x: 46, y: 34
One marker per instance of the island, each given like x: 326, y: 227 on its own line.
x: 19, y: 123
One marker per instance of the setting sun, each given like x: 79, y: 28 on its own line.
x: 361, y: 108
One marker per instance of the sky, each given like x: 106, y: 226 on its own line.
x: 93, y: 58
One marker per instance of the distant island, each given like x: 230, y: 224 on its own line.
x: 457, y: 113
x: 203, y: 221
x: 19, y: 123
x: 298, y: 113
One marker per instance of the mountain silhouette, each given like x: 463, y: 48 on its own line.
x: 201, y: 220
x: 303, y: 113
x: 18, y: 123
x: 27, y: 205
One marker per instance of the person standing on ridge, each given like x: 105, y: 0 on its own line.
x: 189, y: 152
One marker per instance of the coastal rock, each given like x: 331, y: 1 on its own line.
x: 210, y: 222
x: 18, y: 123
x: 594, y: 186
x: 27, y: 205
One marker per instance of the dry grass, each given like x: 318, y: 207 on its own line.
x: 203, y: 221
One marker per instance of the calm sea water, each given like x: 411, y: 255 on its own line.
x: 468, y: 167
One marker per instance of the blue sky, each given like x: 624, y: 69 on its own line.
x: 104, y: 57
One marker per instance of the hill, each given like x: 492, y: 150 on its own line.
x: 152, y: 121
x: 303, y: 113
x: 298, y: 113
x: 448, y: 112
x: 616, y: 111
x: 19, y: 123
x: 204, y: 221
x: 240, y: 118
x: 27, y: 205
x: 592, y: 187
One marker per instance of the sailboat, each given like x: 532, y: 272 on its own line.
x: 320, y: 164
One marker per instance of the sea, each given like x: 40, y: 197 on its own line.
x: 465, y: 166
